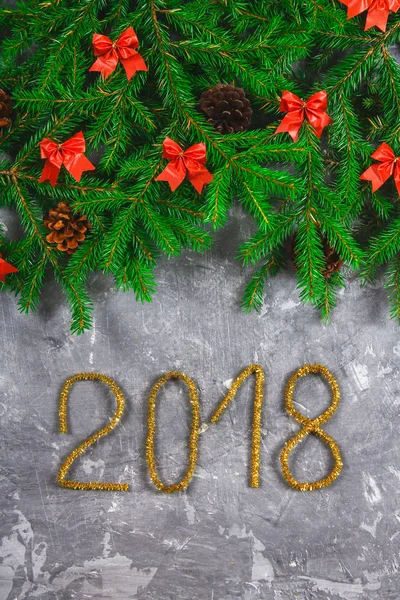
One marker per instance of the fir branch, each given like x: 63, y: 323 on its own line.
x: 310, y: 189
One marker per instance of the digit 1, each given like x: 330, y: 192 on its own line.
x: 257, y: 413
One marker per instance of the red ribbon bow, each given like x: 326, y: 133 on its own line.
x: 70, y: 154
x: 123, y: 50
x: 182, y: 162
x: 6, y: 269
x: 388, y: 165
x: 313, y: 110
x: 378, y: 11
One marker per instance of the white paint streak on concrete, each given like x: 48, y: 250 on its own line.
x: 93, y: 467
x: 372, y: 528
x: 262, y: 569
x: 117, y: 497
x: 369, y: 350
x: 343, y: 589
x: 396, y: 349
x: 360, y: 374
x: 115, y: 503
x: 12, y: 553
x: 383, y: 371
x: 104, y: 577
x: 106, y: 545
x: 189, y: 509
x: 13, y: 547
x: 92, y: 342
x: 394, y: 471
x: 374, y: 582
x: 372, y: 493
x: 289, y: 304
x: 110, y: 577
x: 17, y: 552
x: 39, y: 557
x: 203, y: 427
x: 6, y: 580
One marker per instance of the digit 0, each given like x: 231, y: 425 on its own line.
x: 194, y: 433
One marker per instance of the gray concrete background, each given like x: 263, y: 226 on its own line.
x: 219, y: 540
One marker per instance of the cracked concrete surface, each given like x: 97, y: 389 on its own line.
x: 219, y: 540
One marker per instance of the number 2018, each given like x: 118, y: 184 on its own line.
x: 308, y: 426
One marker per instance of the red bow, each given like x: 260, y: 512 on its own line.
x: 124, y: 50
x: 6, y: 269
x: 313, y: 110
x: 378, y: 11
x: 388, y: 165
x: 190, y: 162
x: 70, y: 154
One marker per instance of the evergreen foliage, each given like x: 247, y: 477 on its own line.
x: 311, y: 186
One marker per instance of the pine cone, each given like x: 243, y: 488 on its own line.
x: 227, y: 108
x: 67, y: 230
x: 5, y: 109
x: 333, y: 262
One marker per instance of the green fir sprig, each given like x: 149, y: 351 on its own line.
x: 309, y: 189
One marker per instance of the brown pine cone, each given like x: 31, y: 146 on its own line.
x: 67, y: 230
x: 5, y: 109
x: 227, y: 108
x: 333, y: 262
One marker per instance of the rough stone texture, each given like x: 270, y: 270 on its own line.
x: 220, y: 540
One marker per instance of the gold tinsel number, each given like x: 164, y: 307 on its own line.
x: 65, y: 467
x: 311, y: 426
x: 257, y: 413
x: 194, y: 433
